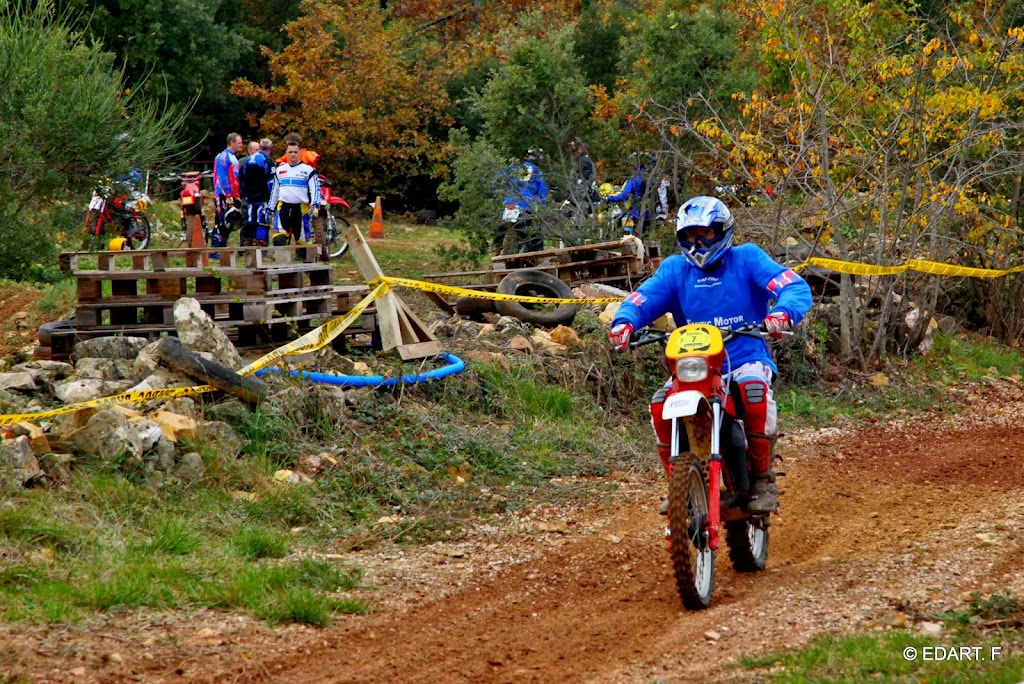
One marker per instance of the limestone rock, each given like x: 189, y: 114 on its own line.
x: 109, y: 348
x: 220, y: 436
x: 199, y: 333
x: 73, y: 391
x: 21, y: 381
x: 145, y: 363
x: 161, y: 457
x: 543, y: 341
x: 191, y: 468
x: 520, y: 343
x: 565, y: 335
x: 18, y: 464
x: 107, y: 435
x: 492, y: 358
x: 508, y: 323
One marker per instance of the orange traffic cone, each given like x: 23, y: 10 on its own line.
x: 199, y: 239
x: 377, y: 222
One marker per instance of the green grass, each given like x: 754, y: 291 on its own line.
x: 970, y: 357
x: 407, y: 250
x: 59, y: 300
x: 880, y: 657
x: 259, y: 542
x: 913, y: 386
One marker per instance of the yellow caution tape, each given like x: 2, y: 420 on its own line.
x: 476, y: 294
x: 919, y: 265
x: 317, y: 337
x: 311, y: 341
x: 125, y: 398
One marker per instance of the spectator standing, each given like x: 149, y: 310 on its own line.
x: 225, y: 190
x: 296, y: 192
x: 256, y: 177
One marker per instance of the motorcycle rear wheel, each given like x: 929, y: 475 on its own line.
x: 336, y: 242
x: 138, y: 238
x: 693, y: 561
x: 748, y: 545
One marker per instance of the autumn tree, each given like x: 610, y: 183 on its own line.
x: 360, y: 90
x: 872, y: 156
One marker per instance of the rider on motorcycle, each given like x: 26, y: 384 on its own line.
x: 633, y: 190
x: 525, y: 188
x: 714, y: 283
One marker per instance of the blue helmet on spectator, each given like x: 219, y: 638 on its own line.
x: 704, y: 230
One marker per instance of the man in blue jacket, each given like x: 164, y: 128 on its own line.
x: 526, y: 189
x: 255, y: 181
x: 715, y: 283
x: 633, y: 191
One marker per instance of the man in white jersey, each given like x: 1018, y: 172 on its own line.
x: 296, y: 192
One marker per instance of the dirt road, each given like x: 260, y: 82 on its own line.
x: 880, y: 525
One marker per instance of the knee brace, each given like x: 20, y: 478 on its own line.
x: 758, y: 408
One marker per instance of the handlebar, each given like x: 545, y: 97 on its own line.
x: 645, y: 336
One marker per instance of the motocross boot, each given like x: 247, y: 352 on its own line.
x: 764, y: 494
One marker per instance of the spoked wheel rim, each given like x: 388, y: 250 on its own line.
x: 139, y: 238
x: 758, y: 537
x: 336, y: 244
x: 693, y: 561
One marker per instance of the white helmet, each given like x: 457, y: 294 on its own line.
x: 704, y: 212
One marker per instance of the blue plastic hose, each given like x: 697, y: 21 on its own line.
x: 455, y: 365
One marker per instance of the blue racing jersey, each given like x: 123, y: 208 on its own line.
x: 528, y: 190
x: 225, y: 174
x: 633, y: 190
x: 744, y: 287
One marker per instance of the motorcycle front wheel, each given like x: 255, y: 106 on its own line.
x: 336, y: 242
x: 693, y: 561
x: 138, y: 237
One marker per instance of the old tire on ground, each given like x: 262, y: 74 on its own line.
x: 535, y: 283
x: 249, y: 389
x: 471, y: 307
x: 46, y: 331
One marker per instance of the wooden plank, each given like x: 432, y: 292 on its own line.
x: 399, y: 327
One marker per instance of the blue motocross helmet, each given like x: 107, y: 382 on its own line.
x: 703, y: 250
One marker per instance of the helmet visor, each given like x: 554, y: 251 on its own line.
x: 699, y: 236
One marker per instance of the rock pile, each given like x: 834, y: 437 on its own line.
x: 150, y: 439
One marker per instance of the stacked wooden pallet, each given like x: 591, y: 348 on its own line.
x: 622, y: 264
x: 258, y: 296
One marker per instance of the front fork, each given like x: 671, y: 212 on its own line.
x: 714, y: 469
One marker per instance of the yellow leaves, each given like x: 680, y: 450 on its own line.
x: 1015, y: 34
x: 933, y: 45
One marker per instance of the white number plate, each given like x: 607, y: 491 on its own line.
x: 96, y: 202
x: 510, y: 214
x: 681, y: 404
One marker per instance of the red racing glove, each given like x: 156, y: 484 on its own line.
x: 619, y: 335
x: 776, y: 323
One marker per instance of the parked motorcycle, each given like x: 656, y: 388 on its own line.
x: 710, y: 479
x: 334, y: 226
x: 118, y: 208
x: 190, y: 199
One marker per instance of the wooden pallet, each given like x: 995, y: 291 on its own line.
x: 258, y: 296
x: 612, y: 263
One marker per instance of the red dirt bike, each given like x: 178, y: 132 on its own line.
x: 710, y: 481
x: 191, y: 201
x: 334, y: 226
x: 120, y: 209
